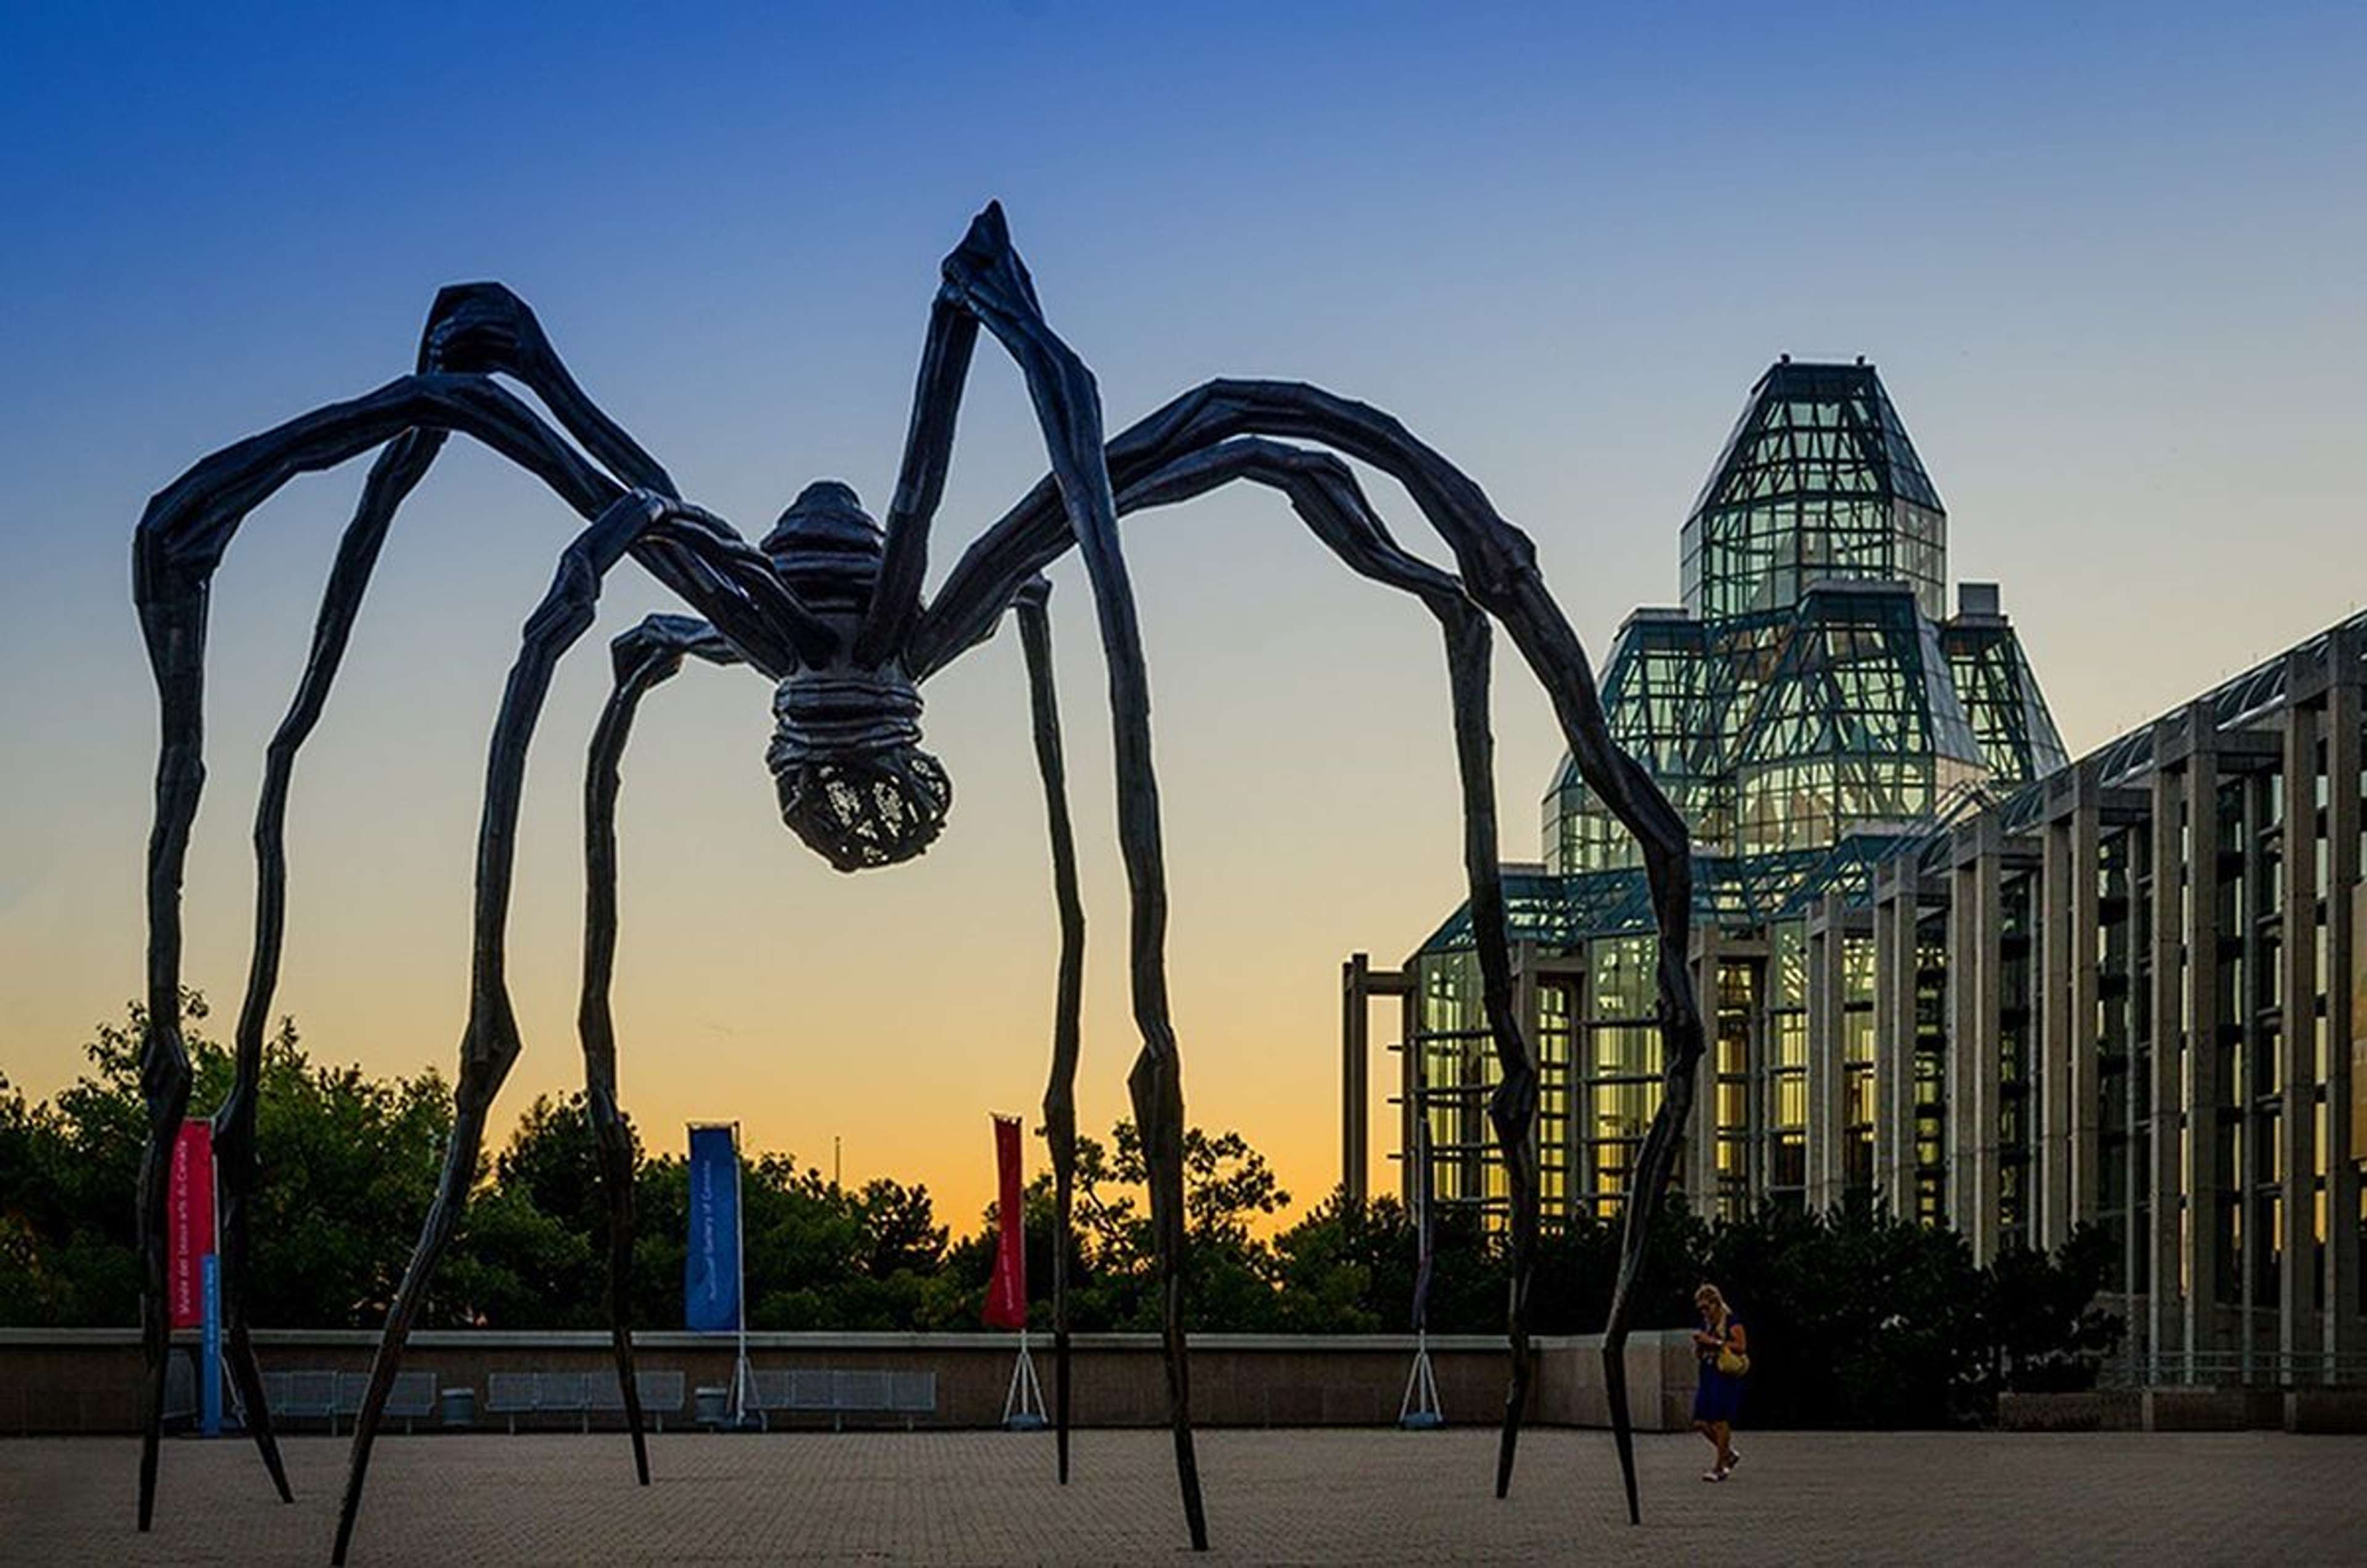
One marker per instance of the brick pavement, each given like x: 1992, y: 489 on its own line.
x: 1281, y: 1496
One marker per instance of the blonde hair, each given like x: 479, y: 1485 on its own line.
x: 1710, y: 1295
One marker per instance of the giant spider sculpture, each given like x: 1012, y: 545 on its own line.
x: 829, y: 607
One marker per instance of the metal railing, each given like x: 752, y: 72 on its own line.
x: 2236, y: 1369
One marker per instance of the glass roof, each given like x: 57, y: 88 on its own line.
x: 1788, y: 729
x: 2234, y: 703
x: 1862, y: 672
x: 2001, y: 698
x: 1735, y: 892
x: 1818, y: 480
x: 1807, y: 711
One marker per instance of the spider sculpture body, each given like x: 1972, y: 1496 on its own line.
x: 830, y: 609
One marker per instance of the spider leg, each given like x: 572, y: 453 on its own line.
x: 490, y: 1041
x: 1061, y: 1092
x: 644, y: 657
x: 1326, y: 496
x: 400, y: 467
x: 984, y: 277
x: 1498, y: 566
x: 1638, y: 802
x: 180, y: 542
x: 920, y: 480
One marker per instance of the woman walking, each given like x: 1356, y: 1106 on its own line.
x: 1724, y: 1347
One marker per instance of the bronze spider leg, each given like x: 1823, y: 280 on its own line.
x: 1060, y: 1090
x: 984, y: 280
x: 490, y: 1041
x: 1498, y: 566
x: 481, y: 328
x: 1325, y: 494
x: 644, y: 657
x: 181, y: 539
x: 894, y: 611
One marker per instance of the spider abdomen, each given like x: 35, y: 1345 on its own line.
x: 846, y: 756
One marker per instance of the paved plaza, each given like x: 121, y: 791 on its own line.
x: 1274, y: 1497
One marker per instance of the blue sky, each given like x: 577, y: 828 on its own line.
x: 2106, y: 257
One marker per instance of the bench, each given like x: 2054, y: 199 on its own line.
x: 661, y: 1393
x: 180, y: 1387
x: 302, y: 1396
x: 580, y: 1394
x: 412, y: 1397
x: 840, y: 1394
x: 324, y: 1396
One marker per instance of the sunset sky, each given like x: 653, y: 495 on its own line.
x: 2107, y: 259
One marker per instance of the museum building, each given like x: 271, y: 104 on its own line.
x: 1943, y: 965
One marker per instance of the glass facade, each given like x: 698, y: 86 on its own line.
x: 1858, y: 726
x: 1809, y: 712
x: 1809, y: 689
x: 1941, y: 963
x: 2001, y: 697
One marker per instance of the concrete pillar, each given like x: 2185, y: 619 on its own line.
x: 2057, y: 1043
x: 1413, y: 1175
x: 1975, y: 1053
x: 1895, y: 1031
x: 1824, y: 1079
x: 1699, y: 1169
x: 1886, y: 958
x: 2203, y: 1092
x: 1963, y: 1010
x: 1359, y: 984
x: 2164, y: 1315
x: 1525, y: 1010
x: 2346, y: 1136
x: 1355, y: 1051
x: 2297, y: 1043
x: 2084, y: 1197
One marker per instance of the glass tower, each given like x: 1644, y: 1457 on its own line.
x: 1817, y: 481
x: 1811, y: 709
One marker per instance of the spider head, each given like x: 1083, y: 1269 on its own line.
x: 854, y: 782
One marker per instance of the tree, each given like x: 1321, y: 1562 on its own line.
x: 347, y: 1163
x: 1858, y: 1318
x: 900, y: 1230
x: 532, y: 1246
x: 1347, y: 1267
x: 2044, y: 1331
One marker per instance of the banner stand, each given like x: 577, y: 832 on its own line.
x: 1418, y: 1411
x: 1006, y: 1291
x: 209, y: 1378
x: 745, y: 1412
x: 715, y: 1247
x: 1022, y: 1407
x: 743, y: 1376
x: 193, y: 1269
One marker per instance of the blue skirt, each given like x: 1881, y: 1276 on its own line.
x: 1719, y: 1397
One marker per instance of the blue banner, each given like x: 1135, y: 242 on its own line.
x: 710, y: 1273
x: 209, y: 1360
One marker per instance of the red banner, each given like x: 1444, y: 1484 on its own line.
x: 190, y: 1222
x: 1006, y: 1293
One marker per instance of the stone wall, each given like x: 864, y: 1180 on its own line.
x: 88, y: 1380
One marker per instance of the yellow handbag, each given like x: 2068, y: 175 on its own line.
x: 1732, y: 1363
